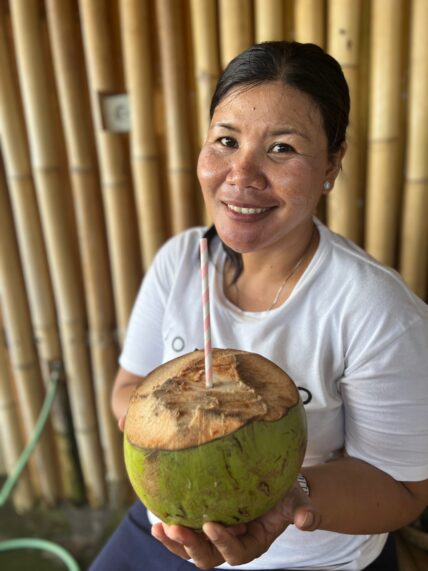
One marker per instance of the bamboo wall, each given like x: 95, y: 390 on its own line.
x: 84, y: 209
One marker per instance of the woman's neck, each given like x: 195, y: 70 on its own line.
x: 268, y: 277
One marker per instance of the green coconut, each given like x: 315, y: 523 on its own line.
x: 225, y: 454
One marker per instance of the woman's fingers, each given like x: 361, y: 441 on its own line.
x: 158, y: 533
x: 237, y: 549
x: 196, y: 546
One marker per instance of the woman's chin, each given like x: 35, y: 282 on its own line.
x: 239, y: 244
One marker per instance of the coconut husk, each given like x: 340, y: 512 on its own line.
x: 215, y: 439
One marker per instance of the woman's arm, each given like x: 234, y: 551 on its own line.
x: 354, y: 497
x: 123, y: 387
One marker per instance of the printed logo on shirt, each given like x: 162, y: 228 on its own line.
x: 305, y: 394
x: 178, y: 344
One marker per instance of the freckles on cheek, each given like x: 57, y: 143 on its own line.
x: 208, y: 167
x: 298, y: 198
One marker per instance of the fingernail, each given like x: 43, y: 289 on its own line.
x: 213, y: 534
x: 309, y: 520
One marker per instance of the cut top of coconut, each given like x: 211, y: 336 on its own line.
x: 172, y: 408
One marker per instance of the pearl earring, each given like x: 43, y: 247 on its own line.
x: 327, y: 185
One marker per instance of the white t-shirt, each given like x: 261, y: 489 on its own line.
x: 352, y: 336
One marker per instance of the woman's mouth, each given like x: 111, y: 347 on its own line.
x: 245, y: 210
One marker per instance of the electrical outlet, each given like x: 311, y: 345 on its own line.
x: 115, y: 112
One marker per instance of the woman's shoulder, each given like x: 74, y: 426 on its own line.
x: 188, y: 238
x: 182, y: 246
x: 367, y: 282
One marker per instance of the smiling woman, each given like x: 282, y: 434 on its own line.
x: 261, y: 184
x: 344, y: 327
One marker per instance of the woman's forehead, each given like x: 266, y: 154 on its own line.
x: 272, y: 103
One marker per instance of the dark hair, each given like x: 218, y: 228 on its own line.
x: 306, y: 67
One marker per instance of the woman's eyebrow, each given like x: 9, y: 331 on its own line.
x: 275, y: 133
x: 288, y: 131
x: 226, y: 126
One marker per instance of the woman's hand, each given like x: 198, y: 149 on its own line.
x: 242, y: 543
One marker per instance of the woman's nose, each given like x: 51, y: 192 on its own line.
x: 245, y: 171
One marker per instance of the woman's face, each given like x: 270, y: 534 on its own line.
x: 263, y: 166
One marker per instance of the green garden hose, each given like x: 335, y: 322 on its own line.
x: 32, y: 543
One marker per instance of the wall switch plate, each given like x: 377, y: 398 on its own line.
x: 115, y: 113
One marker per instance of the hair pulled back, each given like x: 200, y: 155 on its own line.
x: 305, y: 67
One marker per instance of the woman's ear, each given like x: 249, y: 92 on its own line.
x: 335, y: 164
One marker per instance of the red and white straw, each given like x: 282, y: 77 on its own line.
x: 206, y: 313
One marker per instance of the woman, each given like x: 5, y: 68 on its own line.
x: 345, y: 328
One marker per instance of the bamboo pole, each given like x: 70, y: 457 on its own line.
x: 69, y: 71
x: 22, y: 350
x: 49, y: 180
x: 309, y: 26
x: 11, y: 439
x: 3, y: 470
x: 207, y: 65
x: 181, y: 168
x: 145, y: 159
x: 35, y: 266
x: 344, y: 205
x: 309, y: 21
x: 113, y: 159
x: 269, y: 20
x: 414, y: 237
x: 384, y: 160
x: 235, y: 28
x: 288, y: 22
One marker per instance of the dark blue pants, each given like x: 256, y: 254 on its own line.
x: 132, y: 548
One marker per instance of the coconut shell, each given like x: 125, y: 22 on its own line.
x: 226, y: 454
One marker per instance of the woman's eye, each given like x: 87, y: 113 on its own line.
x: 227, y: 142
x: 282, y: 148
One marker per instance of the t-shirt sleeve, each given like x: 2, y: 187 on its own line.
x: 143, y: 346
x: 386, y: 407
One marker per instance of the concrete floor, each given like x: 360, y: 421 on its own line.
x: 80, y: 530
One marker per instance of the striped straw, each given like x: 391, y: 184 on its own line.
x: 206, y: 313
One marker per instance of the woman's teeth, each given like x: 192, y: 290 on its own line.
x: 247, y: 210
